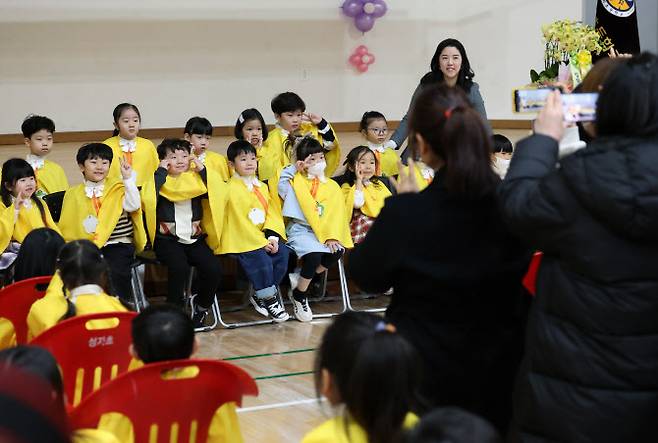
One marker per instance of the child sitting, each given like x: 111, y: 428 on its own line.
x: 138, y: 152
x: 38, y: 132
x: 198, y: 131
x: 292, y: 123
x: 251, y: 127
x: 317, y: 228
x: 366, y: 366
x: 453, y: 425
x: 108, y: 212
x: 374, y: 129
x: 501, y: 155
x: 85, y: 276
x: 253, y: 230
x: 364, y: 191
x: 182, y: 221
x: 21, y: 210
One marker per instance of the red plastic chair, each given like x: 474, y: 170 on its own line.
x: 89, y: 357
x: 16, y: 301
x: 150, y: 399
x: 530, y: 279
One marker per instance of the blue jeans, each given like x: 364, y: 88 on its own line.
x: 265, y: 271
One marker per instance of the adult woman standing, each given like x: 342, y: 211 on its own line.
x: 455, y: 269
x: 590, y: 373
x: 450, y: 66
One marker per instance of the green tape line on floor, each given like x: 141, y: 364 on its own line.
x: 294, y: 351
x: 290, y: 374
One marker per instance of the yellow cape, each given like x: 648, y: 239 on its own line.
x: 186, y: 186
x: 374, y: 195
x: 218, y: 163
x: 273, y: 155
x: 12, y: 228
x: 420, y: 180
x: 326, y: 212
x: 246, y: 218
x: 335, y: 431
x: 145, y: 159
x: 388, y: 162
x: 51, y: 178
x: 77, y: 207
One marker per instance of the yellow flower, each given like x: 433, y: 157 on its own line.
x: 584, y: 58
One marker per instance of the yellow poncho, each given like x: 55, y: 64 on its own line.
x: 186, y: 186
x: 274, y: 155
x: 323, y: 206
x: 424, y: 174
x: 13, y: 228
x: 374, y: 195
x: 51, y: 178
x: 144, y: 160
x: 77, y: 208
x: 218, y: 163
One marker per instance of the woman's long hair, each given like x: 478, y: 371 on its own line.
x: 455, y: 132
x: 466, y: 74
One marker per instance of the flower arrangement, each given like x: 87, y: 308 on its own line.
x: 568, y: 43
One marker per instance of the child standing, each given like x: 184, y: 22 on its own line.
x: 374, y: 128
x: 106, y: 211
x: 38, y: 132
x: 181, y: 222
x: 364, y: 191
x: 85, y: 276
x: 251, y: 127
x: 366, y: 366
x: 21, y: 210
x: 317, y: 228
x: 291, y: 123
x: 254, y: 230
x: 138, y: 152
x: 198, y: 131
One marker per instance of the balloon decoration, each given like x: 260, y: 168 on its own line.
x: 364, y: 12
x: 361, y: 58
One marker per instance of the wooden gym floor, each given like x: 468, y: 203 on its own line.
x: 280, y: 357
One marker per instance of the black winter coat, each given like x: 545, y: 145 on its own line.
x: 590, y: 372
x: 456, y: 272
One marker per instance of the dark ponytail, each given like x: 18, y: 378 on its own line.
x: 375, y: 371
x: 116, y: 114
x: 456, y: 133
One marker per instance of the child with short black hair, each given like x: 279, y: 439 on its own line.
x: 317, y: 227
x: 292, y: 122
x: 198, y: 131
x: 363, y: 364
x: 254, y: 231
x: 374, y: 128
x: 126, y: 146
x: 38, y: 134
x: 86, y: 280
x: 251, y: 127
x: 501, y: 155
x: 184, y: 219
x: 106, y: 211
x: 453, y: 425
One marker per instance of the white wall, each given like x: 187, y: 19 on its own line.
x: 75, y: 62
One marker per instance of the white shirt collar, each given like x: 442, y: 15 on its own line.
x: 94, y: 189
x: 322, y: 177
x: 284, y: 132
x: 249, y: 181
x: 35, y: 161
x: 376, y: 147
x: 127, y: 145
x: 202, y: 157
x: 85, y: 290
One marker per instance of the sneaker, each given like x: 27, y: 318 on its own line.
x: 258, y: 305
x: 389, y: 292
x: 294, y: 279
x: 199, y: 318
x: 275, y: 309
x: 301, y: 309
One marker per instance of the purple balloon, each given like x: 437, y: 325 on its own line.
x: 352, y: 8
x: 380, y: 8
x: 364, y: 22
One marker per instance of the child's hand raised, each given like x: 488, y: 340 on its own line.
x: 198, y: 164
x: 313, y: 118
x: 126, y: 169
x: 406, y: 181
x: 300, y: 165
x: 164, y: 163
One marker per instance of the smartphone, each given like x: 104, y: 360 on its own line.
x: 576, y: 107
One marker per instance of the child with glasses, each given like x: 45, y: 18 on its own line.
x: 374, y: 128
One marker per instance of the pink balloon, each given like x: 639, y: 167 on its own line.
x: 361, y: 50
x: 364, y: 22
x: 380, y: 8
x: 363, y: 67
x: 352, y: 8
x: 355, y: 59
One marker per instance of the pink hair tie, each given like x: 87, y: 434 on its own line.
x: 448, y: 112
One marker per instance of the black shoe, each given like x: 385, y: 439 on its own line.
x: 275, y: 310
x: 199, y: 318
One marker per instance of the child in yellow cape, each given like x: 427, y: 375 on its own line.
x: 198, y: 131
x: 138, y: 152
x: 21, y: 210
x: 107, y: 212
x: 184, y: 205
x: 364, y: 191
x: 84, y: 274
x: 317, y: 227
x: 251, y: 127
x: 374, y: 129
x: 38, y: 132
x: 254, y: 231
x: 422, y: 173
x: 292, y: 123
x: 163, y: 333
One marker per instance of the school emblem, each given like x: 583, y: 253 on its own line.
x: 619, y: 8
